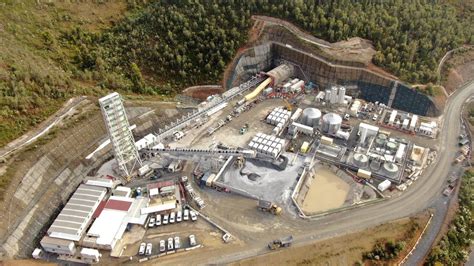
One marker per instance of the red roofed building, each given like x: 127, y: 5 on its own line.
x: 119, y: 205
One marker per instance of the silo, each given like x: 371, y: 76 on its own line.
x: 360, y: 160
x: 311, y: 117
x: 390, y: 169
x: 334, y: 94
x: 327, y: 96
x: 341, y: 95
x: 331, y: 123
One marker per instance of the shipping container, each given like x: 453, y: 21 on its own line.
x: 364, y: 174
x: 384, y: 185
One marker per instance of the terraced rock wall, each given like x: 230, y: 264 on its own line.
x: 310, y: 67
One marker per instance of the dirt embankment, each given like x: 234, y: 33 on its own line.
x: 348, y: 249
x: 458, y: 70
x: 202, y: 92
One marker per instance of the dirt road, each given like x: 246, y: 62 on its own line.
x: 43, y: 128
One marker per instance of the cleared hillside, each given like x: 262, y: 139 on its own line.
x: 54, y: 50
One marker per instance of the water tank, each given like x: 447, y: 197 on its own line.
x: 391, y: 146
x: 331, y: 123
x: 360, y: 160
x: 390, y: 169
x: 375, y: 165
x: 381, y: 140
x: 311, y: 117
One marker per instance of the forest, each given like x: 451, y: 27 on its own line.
x: 179, y: 43
x: 53, y: 51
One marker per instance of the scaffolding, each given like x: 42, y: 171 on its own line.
x: 120, y: 135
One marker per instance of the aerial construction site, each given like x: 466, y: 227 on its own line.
x: 294, y: 139
x: 283, y: 143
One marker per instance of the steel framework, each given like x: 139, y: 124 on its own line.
x: 120, y: 135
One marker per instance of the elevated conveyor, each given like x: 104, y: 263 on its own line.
x: 201, y: 152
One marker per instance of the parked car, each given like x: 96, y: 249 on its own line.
x: 165, y: 219
x: 142, y: 248
x: 170, y: 243
x: 375, y: 117
x: 179, y: 216
x: 177, y: 244
x: 186, y: 215
x: 158, y: 220
x: 193, y: 216
x: 149, y: 246
x: 192, y: 240
x: 162, y: 245
x: 151, y: 222
x: 172, y: 216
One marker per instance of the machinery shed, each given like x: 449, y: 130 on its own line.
x: 77, y: 214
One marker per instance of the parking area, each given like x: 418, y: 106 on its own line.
x: 172, y: 238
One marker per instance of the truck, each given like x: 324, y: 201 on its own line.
x: 280, y: 243
x: 268, y: 206
x: 447, y: 191
x: 244, y: 129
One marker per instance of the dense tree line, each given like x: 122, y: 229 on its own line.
x: 187, y: 42
x: 410, y: 36
x: 453, y: 249
x: 175, y: 43
x: 161, y: 46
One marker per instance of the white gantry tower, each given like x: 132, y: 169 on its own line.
x: 120, y: 136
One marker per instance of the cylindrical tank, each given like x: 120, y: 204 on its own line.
x: 360, y: 160
x: 331, y: 123
x: 341, y: 95
x: 334, y: 95
x: 390, y: 169
x: 327, y: 96
x: 375, y: 165
x: 311, y: 117
x: 381, y: 140
x: 391, y: 146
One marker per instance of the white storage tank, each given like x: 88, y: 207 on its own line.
x: 327, y: 96
x: 341, y: 95
x: 311, y: 117
x: 390, y: 169
x: 360, y: 160
x: 334, y: 94
x: 331, y: 123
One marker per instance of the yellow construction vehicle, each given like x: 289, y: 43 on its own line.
x: 268, y: 206
x: 289, y: 106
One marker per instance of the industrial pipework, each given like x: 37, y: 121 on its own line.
x: 276, y: 76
